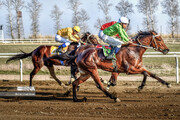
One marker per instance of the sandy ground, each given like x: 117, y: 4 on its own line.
x: 155, y: 101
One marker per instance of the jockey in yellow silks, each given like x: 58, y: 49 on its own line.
x: 67, y: 35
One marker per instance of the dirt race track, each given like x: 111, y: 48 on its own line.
x: 155, y: 101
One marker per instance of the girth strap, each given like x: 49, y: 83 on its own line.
x: 115, y: 69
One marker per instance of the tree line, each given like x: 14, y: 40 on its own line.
x: 80, y: 16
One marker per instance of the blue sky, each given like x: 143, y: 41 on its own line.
x: 46, y: 23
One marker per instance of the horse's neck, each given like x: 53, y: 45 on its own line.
x: 136, y: 49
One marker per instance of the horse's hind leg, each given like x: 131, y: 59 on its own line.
x: 75, y: 84
x: 33, y: 73
x: 52, y: 73
x: 95, y: 76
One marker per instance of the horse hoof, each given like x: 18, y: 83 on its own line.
x: 80, y: 100
x: 63, y: 85
x: 117, y: 100
x: 78, y: 87
x: 67, y: 93
x: 68, y: 83
x: 85, y: 99
x: 140, y: 88
x: 169, y: 85
x: 107, y: 88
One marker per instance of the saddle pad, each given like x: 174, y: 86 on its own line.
x: 106, y: 49
x: 54, y: 52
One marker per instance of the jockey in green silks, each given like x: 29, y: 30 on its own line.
x: 118, y: 28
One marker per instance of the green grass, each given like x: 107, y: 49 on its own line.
x: 160, y: 66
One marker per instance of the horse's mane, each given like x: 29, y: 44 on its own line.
x: 141, y: 34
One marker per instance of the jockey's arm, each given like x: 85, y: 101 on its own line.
x: 77, y: 37
x: 123, y: 35
x: 72, y: 38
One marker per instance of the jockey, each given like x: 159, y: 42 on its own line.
x: 70, y: 33
x: 117, y: 28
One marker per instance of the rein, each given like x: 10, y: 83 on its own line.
x: 145, y: 46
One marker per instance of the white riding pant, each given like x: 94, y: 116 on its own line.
x: 110, y: 40
x: 60, y: 39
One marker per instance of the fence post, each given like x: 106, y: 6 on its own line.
x: 177, y: 70
x: 21, y: 71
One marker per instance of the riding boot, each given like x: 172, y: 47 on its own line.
x: 111, y: 55
x: 67, y: 55
x: 59, y: 49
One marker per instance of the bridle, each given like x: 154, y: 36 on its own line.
x: 88, y: 39
x: 145, y: 46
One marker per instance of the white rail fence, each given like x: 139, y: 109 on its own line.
x: 52, y: 41
x: 147, y: 54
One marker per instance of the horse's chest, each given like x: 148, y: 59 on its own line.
x: 133, y: 55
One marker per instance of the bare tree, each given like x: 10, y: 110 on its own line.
x: 1, y: 4
x: 171, y: 8
x: 10, y: 19
x: 83, y: 16
x: 124, y: 8
x: 98, y: 23
x: 18, y: 6
x: 148, y: 8
x: 74, y: 6
x: 105, y: 6
x: 34, y: 8
x: 56, y: 16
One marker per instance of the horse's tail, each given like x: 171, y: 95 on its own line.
x: 19, y: 56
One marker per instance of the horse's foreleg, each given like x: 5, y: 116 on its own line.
x: 159, y: 79
x: 73, y: 74
x: 75, y: 84
x: 143, y: 82
x: 134, y: 70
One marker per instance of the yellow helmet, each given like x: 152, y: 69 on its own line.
x: 76, y: 28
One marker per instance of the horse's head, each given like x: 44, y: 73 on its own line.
x: 151, y: 39
x: 89, y: 38
x: 157, y: 43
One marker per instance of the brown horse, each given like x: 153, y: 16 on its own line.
x: 129, y: 61
x: 40, y: 55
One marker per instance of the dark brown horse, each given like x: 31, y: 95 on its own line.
x: 40, y: 55
x: 129, y: 61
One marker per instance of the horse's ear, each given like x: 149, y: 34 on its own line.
x: 87, y: 33
x: 153, y: 32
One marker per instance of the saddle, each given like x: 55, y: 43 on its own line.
x: 107, y: 49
